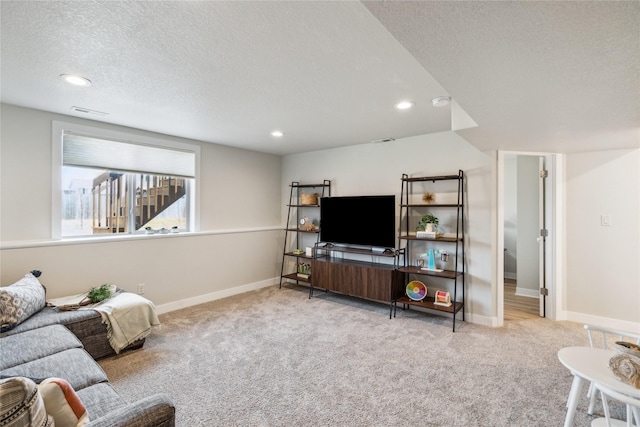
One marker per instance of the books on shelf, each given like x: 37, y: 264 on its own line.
x: 426, y: 235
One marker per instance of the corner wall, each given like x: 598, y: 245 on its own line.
x: 239, y: 213
x: 603, y: 268
x: 370, y: 169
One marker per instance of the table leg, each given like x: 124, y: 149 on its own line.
x: 592, y: 394
x: 576, y: 388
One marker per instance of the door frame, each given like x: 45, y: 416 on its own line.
x: 554, y: 213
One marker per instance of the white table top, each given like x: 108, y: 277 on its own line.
x: 593, y: 364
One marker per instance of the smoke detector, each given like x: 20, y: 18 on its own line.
x: 441, y: 101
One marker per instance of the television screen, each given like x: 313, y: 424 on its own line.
x: 359, y: 220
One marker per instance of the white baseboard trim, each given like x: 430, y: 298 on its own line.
x: 479, y: 319
x: 200, y: 299
x: 526, y: 292
x: 604, y: 322
x: 468, y: 317
x: 224, y: 293
x: 510, y: 276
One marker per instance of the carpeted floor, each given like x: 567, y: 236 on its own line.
x: 275, y: 358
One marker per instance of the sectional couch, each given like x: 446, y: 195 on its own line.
x: 64, y: 345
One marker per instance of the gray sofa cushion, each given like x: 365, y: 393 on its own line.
x: 32, y: 345
x: 99, y: 399
x: 85, y: 324
x: 51, y: 316
x: 74, y: 365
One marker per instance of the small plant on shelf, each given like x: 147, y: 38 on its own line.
x: 427, y: 219
x: 303, y: 268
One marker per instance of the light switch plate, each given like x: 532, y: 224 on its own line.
x: 605, y: 220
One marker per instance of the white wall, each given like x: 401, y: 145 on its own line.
x: 370, y: 169
x: 242, y: 210
x: 603, y: 268
x: 240, y: 223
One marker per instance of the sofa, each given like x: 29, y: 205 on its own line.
x: 50, y: 344
x: 85, y: 324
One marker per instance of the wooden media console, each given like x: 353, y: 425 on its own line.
x: 370, y: 280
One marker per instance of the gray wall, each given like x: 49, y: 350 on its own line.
x: 370, y: 169
x: 237, y: 246
x: 603, y: 272
x: 242, y: 210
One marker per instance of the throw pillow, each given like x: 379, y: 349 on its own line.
x: 20, y: 300
x: 21, y: 405
x: 62, y: 403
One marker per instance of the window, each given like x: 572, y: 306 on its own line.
x: 113, y: 187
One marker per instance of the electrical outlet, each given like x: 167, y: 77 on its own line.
x: 140, y: 288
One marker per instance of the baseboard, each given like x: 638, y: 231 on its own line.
x: 478, y: 319
x: 224, y: 293
x: 526, y: 292
x: 510, y: 276
x: 605, y: 322
x: 200, y: 299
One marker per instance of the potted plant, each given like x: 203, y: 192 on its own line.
x: 428, y: 223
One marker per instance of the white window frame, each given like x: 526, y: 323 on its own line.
x: 57, y: 132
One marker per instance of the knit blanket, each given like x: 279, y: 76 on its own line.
x: 129, y: 317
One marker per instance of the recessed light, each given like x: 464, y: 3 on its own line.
x: 277, y: 133
x: 404, y: 105
x: 441, y: 101
x: 76, y: 80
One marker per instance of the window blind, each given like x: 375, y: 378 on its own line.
x: 79, y: 150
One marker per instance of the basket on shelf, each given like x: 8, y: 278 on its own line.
x: 309, y: 199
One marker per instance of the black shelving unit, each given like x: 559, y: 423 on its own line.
x: 406, y: 239
x: 293, y: 233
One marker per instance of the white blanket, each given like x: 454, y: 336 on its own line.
x: 128, y: 316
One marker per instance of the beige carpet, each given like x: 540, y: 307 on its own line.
x: 275, y: 358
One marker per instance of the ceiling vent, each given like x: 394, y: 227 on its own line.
x: 389, y: 139
x: 88, y: 111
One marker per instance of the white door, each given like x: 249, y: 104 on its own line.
x: 542, y: 239
x: 538, y: 255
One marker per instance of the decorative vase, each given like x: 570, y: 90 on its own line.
x: 431, y: 262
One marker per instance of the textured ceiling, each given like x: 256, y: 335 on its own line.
x: 535, y: 76
x: 326, y: 74
x: 552, y: 76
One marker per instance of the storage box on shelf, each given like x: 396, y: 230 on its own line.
x: 455, y: 269
x: 301, y: 230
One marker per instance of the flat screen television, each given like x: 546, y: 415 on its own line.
x: 359, y: 220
